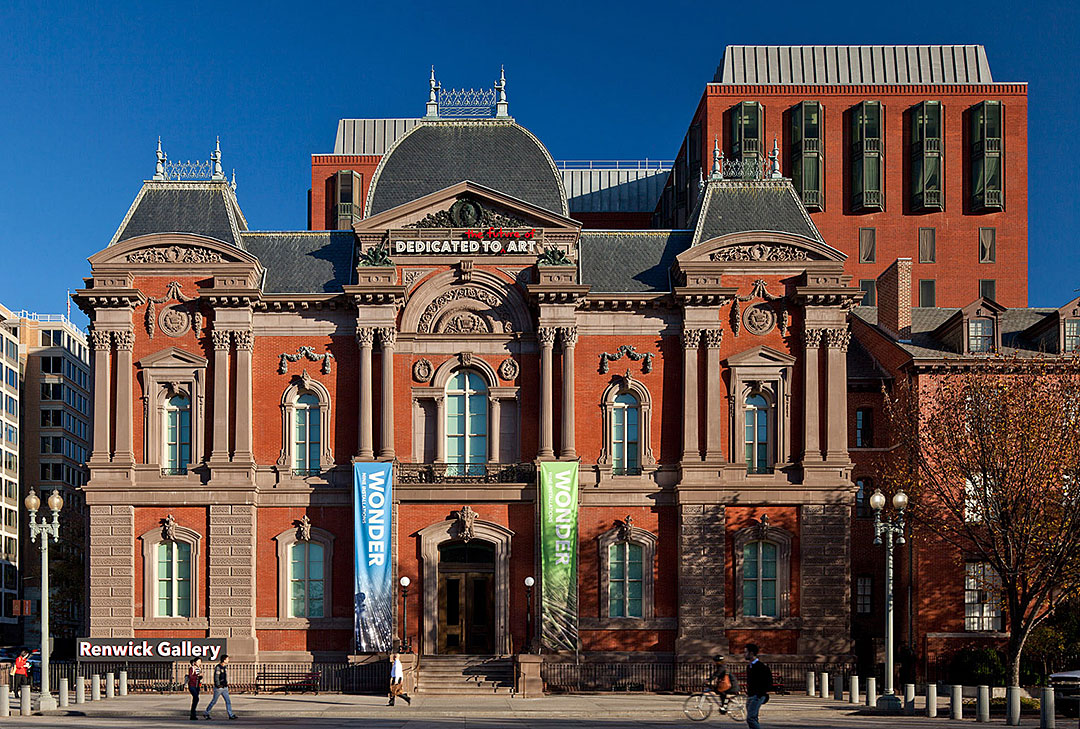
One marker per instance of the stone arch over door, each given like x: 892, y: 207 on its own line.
x: 486, y: 304
x: 448, y: 531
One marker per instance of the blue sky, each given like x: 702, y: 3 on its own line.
x: 87, y: 89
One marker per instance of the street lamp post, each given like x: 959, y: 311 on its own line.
x: 529, y: 582
x: 45, y: 529
x: 405, y: 614
x: 892, y: 528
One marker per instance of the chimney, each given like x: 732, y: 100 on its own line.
x: 894, y: 299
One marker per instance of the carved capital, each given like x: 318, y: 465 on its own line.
x: 221, y: 339
x: 244, y: 339
x: 813, y: 337
x: 569, y: 336
x: 713, y: 337
x: 387, y: 336
x: 838, y: 338
x: 125, y: 340
x: 100, y: 339
x: 365, y: 336
x: 691, y: 338
x: 546, y: 336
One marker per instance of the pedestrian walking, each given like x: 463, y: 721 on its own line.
x: 221, y: 688
x: 194, y: 684
x: 759, y: 683
x: 397, y: 676
x: 20, y: 671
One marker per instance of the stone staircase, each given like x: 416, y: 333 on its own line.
x: 465, y: 675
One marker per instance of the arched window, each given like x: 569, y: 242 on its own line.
x: 759, y: 579
x: 307, y: 435
x: 177, y: 435
x: 466, y: 424
x: 306, y: 580
x: 173, y: 580
x: 625, y: 435
x: 757, y: 434
x: 625, y: 580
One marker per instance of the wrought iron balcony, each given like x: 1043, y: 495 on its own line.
x: 626, y: 471
x: 307, y: 471
x: 177, y: 471
x: 465, y: 472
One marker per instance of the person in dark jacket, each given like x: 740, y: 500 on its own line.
x: 194, y: 684
x: 722, y: 682
x: 759, y: 683
x: 221, y: 688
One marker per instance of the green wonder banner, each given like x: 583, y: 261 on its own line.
x: 559, y: 555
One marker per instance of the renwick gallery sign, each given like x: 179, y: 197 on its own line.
x: 485, y: 241
x: 152, y: 649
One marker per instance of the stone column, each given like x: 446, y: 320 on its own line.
x: 387, y: 337
x: 231, y: 583
x: 494, y: 430
x: 824, y: 600
x: 569, y: 339
x: 836, y: 435
x: 713, y: 405
x: 245, y: 342
x: 440, y: 428
x: 102, y: 343
x: 123, y: 453
x: 546, y: 336
x: 111, y: 598
x: 220, y: 443
x: 691, y: 339
x: 365, y: 336
x: 811, y: 396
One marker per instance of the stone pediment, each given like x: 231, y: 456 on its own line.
x: 760, y: 356
x: 766, y: 249
x: 172, y: 357
x: 171, y: 250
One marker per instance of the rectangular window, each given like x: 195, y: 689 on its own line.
x: 867, y: 245
x: 624, y: 436
x: 927, y: 245
x: 52, y: 391
x: 862, y: 497
x: 869, y: 287
x: 927, y: 292
x: 926, y: 157
x: 747, y: 118
x: 866, y: 157
x: 807, y: 162
x: 982, y: 598
x: 864, y: 428
x: 987, y: 245
x: 306, y: 580
x: 1072, y: 335
x: 987, y: 157
x: 980, y: 335
x: 759, y: 580
x: 174, y: 580
x: 864, y: 595
x: 988, y: 289
x: 625, y: 580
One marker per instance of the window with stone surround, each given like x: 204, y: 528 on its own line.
x: 762, y: 573
x: 307, y: 434
x: 305, y: 426
x: 177, y: 435
x: 170, y: 573
x: 627, y: 558
x: 758, y: 449
x: 305, y: 555
x: 173, y: 382
x: 626, y: 411
x: 173, y: 580
x: 624, y: 580
x: 760, y: 399
x: 625, y: 454
x: 466, y: 424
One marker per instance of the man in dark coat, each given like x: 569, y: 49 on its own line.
x: 759, y: 683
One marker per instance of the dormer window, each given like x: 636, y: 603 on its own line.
x: 1072, y: 336
x: 980, y: 335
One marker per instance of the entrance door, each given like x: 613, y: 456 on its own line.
x: 467, y: 597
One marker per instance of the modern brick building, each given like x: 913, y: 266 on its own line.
x: 10, y: 631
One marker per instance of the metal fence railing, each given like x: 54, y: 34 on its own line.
x: 663, y: 676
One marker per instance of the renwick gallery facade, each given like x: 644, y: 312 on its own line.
x: 466, y: 310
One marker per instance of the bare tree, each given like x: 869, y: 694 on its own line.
x: 990, y: 454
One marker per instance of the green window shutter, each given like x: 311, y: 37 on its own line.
x: 866, y: 157
x: 987, y: 156
x: 807, y: 161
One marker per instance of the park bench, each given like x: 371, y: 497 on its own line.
x: 296, y: 680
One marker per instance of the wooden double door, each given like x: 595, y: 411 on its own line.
x: 467, y: 598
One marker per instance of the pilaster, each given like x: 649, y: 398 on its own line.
x: 111, y: 598
x: 691, y: 340
x: 124, y: 454
x: 811, y: 396
x: 569, y: 336
x: 365, y: 337
x: 701, y: 582
x: 222, y: 343
x: 387, y: 337
x: 232, y: 578
x: 243, y: 452
x: 836, y: 436
x: 101, y: 341
x: 824, y: 592
x: 714, y: 406
x: 546, y: 336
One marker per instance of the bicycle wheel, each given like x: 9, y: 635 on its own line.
x: 736, y: 708
x: 697, y: 707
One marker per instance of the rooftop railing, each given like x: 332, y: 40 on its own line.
x: 615, y: 164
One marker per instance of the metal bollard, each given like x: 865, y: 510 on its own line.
x: 956, y: 702
x: 871, y: 691
x: 810, y: 689
x: 853, y: 692
x: 1012, y: 706
x: 80, y: 689
x: 823, y: 682
x: 982, y: 705
x: 931, y: 700
x: 95, y: 687
x: 123, y: 683
x: 64, y: 699
x: 1047, y: 719
x: 838, y: 688
x: 5, y: 700
x: 110, y: 685
x: 909, y: 699
x: 24, y: 701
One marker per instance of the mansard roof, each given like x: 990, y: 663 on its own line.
x: 742, y: 206
x: 303, y: 262
x: 496, y: 153
x: 202, y: 208
x: 618, y: 261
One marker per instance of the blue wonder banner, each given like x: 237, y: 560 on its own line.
x: 373, y: 603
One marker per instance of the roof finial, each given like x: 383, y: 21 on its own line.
x: 219, y: 174
x: 774, y: 161
x: 501, y: 107
x: 233, y: 183
x: 717, y: 168
x: 159, y: 169
x: 433, y: 102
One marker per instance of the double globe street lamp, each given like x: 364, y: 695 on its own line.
x: 892, y: 528
x: 45, y: 529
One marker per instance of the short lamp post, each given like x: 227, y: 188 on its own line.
x: 892, y: 528
x: 529, y: 582
x: 45, y: 529
x: 405, y: 614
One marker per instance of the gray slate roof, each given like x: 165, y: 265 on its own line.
x: 861, y: 365
x: 303, y: 262
x: 800, y: 65
x: 621, y: 261
x: 738, y: 206
x: 494, y: 153
x: 206, y: 208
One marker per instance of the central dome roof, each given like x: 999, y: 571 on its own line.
x: 499, y: 154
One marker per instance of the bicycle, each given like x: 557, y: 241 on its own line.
x: 699, y: 706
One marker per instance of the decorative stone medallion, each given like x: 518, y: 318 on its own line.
x: 175, y: 321
x: 465, y: 213
x: 759, y: 319
x: 422, y: 371
x: 509, y: 369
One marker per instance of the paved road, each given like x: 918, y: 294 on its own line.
x: 600, y: 711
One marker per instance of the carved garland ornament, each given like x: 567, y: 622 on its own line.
x: 411, y: 275
x: 760, y: 252
x: 309, y: 352
x: 509, y: 369
x: 626, y: 350
x: 466, y: 322
x: 760, y: 318
x: 467, y: 213
x: 422, y: 370
x: 174, y: 254
x: 175, y: 320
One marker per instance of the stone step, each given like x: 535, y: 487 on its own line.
x: 469, y: 675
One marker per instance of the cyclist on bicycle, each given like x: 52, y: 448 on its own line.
x: 722, y: 682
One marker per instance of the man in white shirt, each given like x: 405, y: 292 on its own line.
x: 397, y: 676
